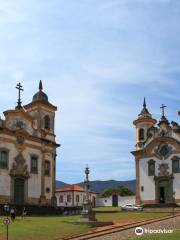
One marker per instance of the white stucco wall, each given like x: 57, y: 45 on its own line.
x: 148, y: 181
x: 34, y: 182
x: 82, y: 196
x: 107, y: 202
x: 49, y: 179
x: 5, y: 178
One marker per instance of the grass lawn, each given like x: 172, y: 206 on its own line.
x: 107, y: 209
x: 171, y: 236
x: 128, y: 216
x: 43, y: 228
x: 52, y: 228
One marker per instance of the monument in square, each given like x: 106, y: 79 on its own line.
x: 87, y: 214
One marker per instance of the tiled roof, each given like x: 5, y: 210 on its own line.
x: 72, y: 188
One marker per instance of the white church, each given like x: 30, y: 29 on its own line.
x: 28, y: 152
x: 157, y: 157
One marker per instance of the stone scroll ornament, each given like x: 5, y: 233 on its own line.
x: 163, y: 169
x: 163, y: 150
x: 19, y: 168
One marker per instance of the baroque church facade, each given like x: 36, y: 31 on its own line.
x: 28, y: 152
x: 157, y: 158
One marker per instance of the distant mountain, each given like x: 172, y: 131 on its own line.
x: 60, y: 184
x: 100, y: 186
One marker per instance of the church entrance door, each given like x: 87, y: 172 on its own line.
x: 162, y: 198
x: 115, y: 200
x: 165, y: 192
x: 19, y: 191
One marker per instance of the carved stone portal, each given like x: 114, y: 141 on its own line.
x: 19, y: 168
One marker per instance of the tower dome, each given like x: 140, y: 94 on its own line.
x: 40, y: 96
x: 144, y: 112
x: 144, y: 116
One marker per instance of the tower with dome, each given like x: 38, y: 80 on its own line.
x: 28, y: 152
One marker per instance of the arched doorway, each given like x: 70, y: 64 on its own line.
x: 19, y: 191
x: 164, y: 190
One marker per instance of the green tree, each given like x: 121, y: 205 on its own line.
x: 120, y: 190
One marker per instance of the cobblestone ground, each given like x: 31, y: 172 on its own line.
x: 170, y: 224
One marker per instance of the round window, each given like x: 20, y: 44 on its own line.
x: 164, y: 150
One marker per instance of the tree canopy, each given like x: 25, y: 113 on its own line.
x: 120, y: 190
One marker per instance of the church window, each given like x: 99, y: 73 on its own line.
x: 47, y: 190
x: 151, y: 168
x: 34, y: 164
x: 77, y: 198
x: 141, y: 134
x: 175, y: 165
x: 4, y: 159
x: 47, y: 122
x: 47, y: 168
x: 61, y: 199
x: 142, y: 188
x: 68, y: 198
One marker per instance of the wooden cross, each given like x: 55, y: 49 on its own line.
x: 163, y: 107
x: 20, y: 89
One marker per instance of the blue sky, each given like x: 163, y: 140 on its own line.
x: 97, y: 60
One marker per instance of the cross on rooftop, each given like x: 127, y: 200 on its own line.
x: 20, y: 89
x: 163, y: 109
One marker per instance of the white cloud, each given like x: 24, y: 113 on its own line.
x: 97, y: 60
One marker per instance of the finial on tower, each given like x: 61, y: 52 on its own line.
x: 144, y: 112
x: 40, y: 85
x: 144, y: 103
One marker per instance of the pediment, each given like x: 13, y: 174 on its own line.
x: 18, y: 120
x: 163, y: 147
x: 16, y: 113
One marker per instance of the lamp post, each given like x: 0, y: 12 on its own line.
x: 6, y: 209
x: 6, y: 221
x: 174, y: 193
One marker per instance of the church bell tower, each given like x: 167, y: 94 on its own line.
x: 43, y: 115
x: 142, y: 124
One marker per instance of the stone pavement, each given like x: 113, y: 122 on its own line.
x: 168, y: 224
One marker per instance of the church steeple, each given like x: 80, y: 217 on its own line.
x: 142, y: 124
x: 144, y: 112
x: 144, y: 103
x: 40, y: 85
